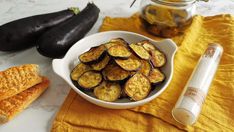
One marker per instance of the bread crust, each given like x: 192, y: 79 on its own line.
x: 17, y: 79
x: 12, y: 106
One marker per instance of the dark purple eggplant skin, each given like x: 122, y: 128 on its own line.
x: 57, y: 41
x: 23, y: 33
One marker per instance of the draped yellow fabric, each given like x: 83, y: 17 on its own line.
x: 217, y: 113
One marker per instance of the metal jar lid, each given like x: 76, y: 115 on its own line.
x: 175, y: 2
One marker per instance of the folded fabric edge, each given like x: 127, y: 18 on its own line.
x: 60, y: 124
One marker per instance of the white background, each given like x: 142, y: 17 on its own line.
x: 39, y: 116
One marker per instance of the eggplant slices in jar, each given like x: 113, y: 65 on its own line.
x: 117, y: 68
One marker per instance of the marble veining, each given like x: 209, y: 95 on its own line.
x: 39, y: 116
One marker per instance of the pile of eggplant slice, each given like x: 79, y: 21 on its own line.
x: 117, y: 69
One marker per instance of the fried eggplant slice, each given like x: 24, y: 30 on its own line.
x: 119, y: 51
x: 137, y: 87
x: 133, y: 56
x: 145, y: 68
x: 116, y: 41
x: 110, y: 44
x: 147, y: 45
x: 102, y: 64
x: 108, y: 91
x: 123, y: 94
x: 133, y: 73
x: 79, y: 70
x: 129, y: 64
x: 113, y: 72
x: 119, y: 40
x: 94, y: 55
x: 90, y: 79
x: 140, y: 51
x: 158, y: 59
x: 156, y: 76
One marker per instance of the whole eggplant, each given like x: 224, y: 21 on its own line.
x: 23, y: 33
x: 56, y: 42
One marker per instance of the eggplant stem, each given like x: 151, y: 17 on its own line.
x: 75, y: 10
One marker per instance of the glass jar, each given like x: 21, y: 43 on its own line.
x: 167, y: 18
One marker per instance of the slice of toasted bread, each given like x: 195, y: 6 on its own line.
x: 10, y: 107
x: 17, y: 79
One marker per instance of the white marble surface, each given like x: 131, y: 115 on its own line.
x: 39, y: 116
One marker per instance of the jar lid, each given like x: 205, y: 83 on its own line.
x: 175, y: 2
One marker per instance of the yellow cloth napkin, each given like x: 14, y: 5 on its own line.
x: 217, y: 113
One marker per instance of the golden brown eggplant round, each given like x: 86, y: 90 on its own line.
x: 145, y: 68
x: 156, y: 76
x: 133, y: 73
x: 102, y: 64
x: 113, y: 72
x: 79, y: 70
x: 119, y: 40
x: 94, y: 55
x: 140, y: 51
x: 110, y: 44
x: 129, y: 64
x: 147, y: 45
x: 123, y: 94
x: 116, y: 41
x: 137, y: 87
x: 158, y: 59
x: 119, y: 51
x: 90, y: 79
x: 108, y: 91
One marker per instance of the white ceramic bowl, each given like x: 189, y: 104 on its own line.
x: 63, y: 67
